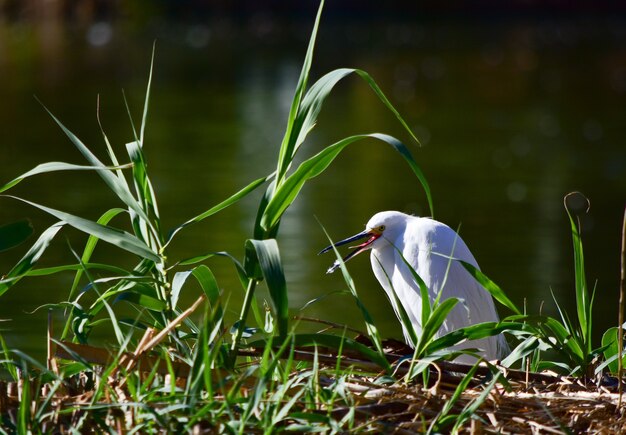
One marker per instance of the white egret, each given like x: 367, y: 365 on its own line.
x: 431, y: 248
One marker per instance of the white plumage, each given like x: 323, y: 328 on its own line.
x: 431, y: 248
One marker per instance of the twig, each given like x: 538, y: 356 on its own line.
x: 144, y: 347
x: 326, y: 322
x: 620, y: 331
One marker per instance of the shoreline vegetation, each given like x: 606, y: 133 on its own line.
x: 169, y: 372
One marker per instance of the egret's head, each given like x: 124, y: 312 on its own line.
x: 381, y: 228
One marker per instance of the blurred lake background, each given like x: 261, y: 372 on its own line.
x: 514, y: 109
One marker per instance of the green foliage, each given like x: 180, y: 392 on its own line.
x: 285, y: 186
x: 284, y: 392
x: 541, y: 335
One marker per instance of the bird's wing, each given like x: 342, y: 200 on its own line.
x: 434, y: 253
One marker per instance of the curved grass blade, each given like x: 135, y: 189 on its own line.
x: 400, y: 311
x: 119, y: 187
x: 207, y: 281
x: 177, y: 286
x: 268, y: 258
x: 372, y: 330
x: 490, y: 286
x: 55, y: 167
x: 31, y: 257
x: 314, y: 166
x: 609, y: 342
x: 114, y: 236
x: 14, y: 234
x: 426, y: 303
x: 241, y: 272
x: 222, y: 205
x: 315, y: 97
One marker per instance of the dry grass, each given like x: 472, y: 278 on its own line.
x: 524, y: 403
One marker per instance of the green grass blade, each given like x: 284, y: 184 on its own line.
x: 222, y: 205
x: 119, y: 187
x: 268, y: 257
x: 524, y: 349
x: 30, y: 258
x: 177, y: 286
x: 434, y: 322
x: 314, y: 166
x: 490, y: 286
x: 207, y: 281
x: 144, y: 118
x: 426, y: 304
x: 289, y: 140
x: 142, y: 182
x: 460, y: 389
x: 44, y: 271
x: 114, y: 236
x: 56, y: 167
x: 609, y: 342
x: 401, y: 312
x: 14, y: 234
x: 583, y: 302
x: 471, y: 408
x: 142, y: 300
x: 372, y: 330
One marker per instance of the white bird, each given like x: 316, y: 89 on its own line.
x: 431, y: 248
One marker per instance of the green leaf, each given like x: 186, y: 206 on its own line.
x: 401, y: 312
x: 55, y: 167
x: 14, y: 234
x: 268, y: 258
x: 147, y: 100
x: 470, y: 409
x: 524, y: 349
x: 222, y: 205
x: 241, y: 272
x: 609, y: 340
x: 207, y: 281
x: 142, y: 300
x: 583, y: 302
x: 31, y: 257
x: 288, y: 191
x: 434, y: 322
x: 118, y: 186
x: 490, y: 286
x: 372, y: 330
x: 177, y: 285
x: 289, y: 140
x: 114, y: 236
x: 65, y: 268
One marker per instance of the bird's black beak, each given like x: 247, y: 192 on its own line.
x: 370, y: 234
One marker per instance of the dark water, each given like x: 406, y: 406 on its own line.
x: 512, y: 115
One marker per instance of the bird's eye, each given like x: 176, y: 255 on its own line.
x: 381, y: 228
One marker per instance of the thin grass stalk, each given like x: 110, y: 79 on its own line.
x: 620, y: 315
x: 245, y: 308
